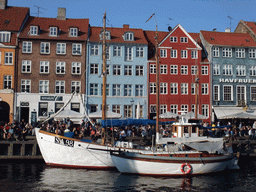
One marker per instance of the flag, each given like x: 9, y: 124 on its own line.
x: 150, y: 17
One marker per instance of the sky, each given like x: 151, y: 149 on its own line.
x: 193, y: 15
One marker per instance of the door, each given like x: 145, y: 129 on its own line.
x: 24, y: 114
x: 240, y: 95
x: 4, y: 112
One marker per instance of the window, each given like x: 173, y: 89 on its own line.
x: 240, y: 53
x: 127, y: 111
x: 215, y: 51
x: 227, y: 92
x: 183, y: 39
x: 107, y: 35
x: 184, y: 54
x: 252, y: 70
x: 184, y: 108
x: 7, y: 82
x: 139, y: 70
x: 253, y: 93
x: 107, y: 53
x: 205, y: 110
x: 107, y: 89
x: 116, y: 69
x: 58, y: 106
x: 152, y: 88
x: 227, y: 70
x: 139, y: 90
x: 59, y: 86
x: 61, y: 48
x: 226, y: 52
x: 128, y: 54
x: 76, y: 49
x: 60, y: 67
x: 241, y: 70
x: 204, y: 70
x: 75, y: 107
x: 193, y: 88
x: 174, y: 69
x: 116, y: 90
x: 116, y: 109
x: 193, y: 109
x: 184, y: 70
x: 94, y: 50
x: 139, y: 51
x: 26, y: 66
x: 163, y: 53
x: 216, y: 69
x: 216, y: 92
x: 163, y: 69
x: 73, y: 32
x: 33, y: 30
x: 152, y: 69
x: 173, y: 53
x: 8, y: 58
x: 53, y: 31
x: 163, y: 109
x: 75, y: 86
x: 173, y: 39
x: 194, y: 54
x: 174, y: 88
x: 94, y: 89
x: 43, y: 86
x: 25, y: 86
x: 107, y: 69
x: 163, y: 88
x: 93, y: 108
x: 128, y: 70
x: 252, y: 53
x: 44, y: 66
x: 94, y: 69
x: 174, y: 109
x: 127, y: 90
x: 116, y: 51
x: 5, y: 37
x: 128, y: 36
x: 184, y: 89
x: 152, y: 108
x: 45, y: 48
x: 193, y: 70
x: 43, y: 109
x: 204, y: 87
x: 26, y: 47
x: 76, y: 68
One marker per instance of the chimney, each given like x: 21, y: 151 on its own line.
x: 3, y: 4
x: 227, y: 30
x: 61, y: 13
x: 125, y: 26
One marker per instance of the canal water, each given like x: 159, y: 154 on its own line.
x: 39, y: 177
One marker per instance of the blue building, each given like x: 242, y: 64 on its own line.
x: 126, y: 71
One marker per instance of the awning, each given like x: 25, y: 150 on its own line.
x: 234, y: 113
x: 109, y: 115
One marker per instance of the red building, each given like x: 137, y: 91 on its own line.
x: 183, y: 71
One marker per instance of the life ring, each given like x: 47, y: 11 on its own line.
x: 185, y: 168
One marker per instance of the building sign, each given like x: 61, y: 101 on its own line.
x: 237, y: 80
x: 51, y: 98
x: 24, y: 104
x: 33, y: 118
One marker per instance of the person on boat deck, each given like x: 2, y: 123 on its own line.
x: 66, y: 129
x: 123, y: 134
x: 93, y: 134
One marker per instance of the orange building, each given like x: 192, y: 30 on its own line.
x: 12, y: 21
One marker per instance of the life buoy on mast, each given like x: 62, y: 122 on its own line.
x: 185, y: 168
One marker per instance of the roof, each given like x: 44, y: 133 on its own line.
x: 44, y: 25
x: 229, y: 39
x: 117, y: 35
x: 12, y: 18
x: 251, y: 25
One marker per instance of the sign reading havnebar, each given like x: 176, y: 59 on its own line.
x: 51, y: 98
x: 237, y: 80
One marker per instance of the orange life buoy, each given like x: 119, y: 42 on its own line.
x: 185, y: 168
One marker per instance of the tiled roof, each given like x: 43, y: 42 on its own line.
x: 11, y: 18
x: 251, y: 25
x: 44, y: 25
x: 229, y: 39
x: 117, y: 35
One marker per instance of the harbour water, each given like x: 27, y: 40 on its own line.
x: 39, y: 177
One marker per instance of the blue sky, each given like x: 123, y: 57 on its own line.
x: 193, y: 15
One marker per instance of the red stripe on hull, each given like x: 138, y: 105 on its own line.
x: 80, y: 167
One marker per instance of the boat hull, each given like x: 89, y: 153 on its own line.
x: 67, y: 152
x: 171, y: 166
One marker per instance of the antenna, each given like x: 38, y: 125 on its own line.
x: 38, y: 10
x: 230, y: 22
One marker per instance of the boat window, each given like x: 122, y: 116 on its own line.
x: 185, y: 129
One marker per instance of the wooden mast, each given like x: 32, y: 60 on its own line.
x: 157, y: 88
x: 196, y: 91
x: 103, y: 133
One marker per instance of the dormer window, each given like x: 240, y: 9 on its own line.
x: 107, y: 35
x: 5, y: 37
x: 53, y: 31
x: 33, y: 30
x: 129, y: 36
x: 73, y: 32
